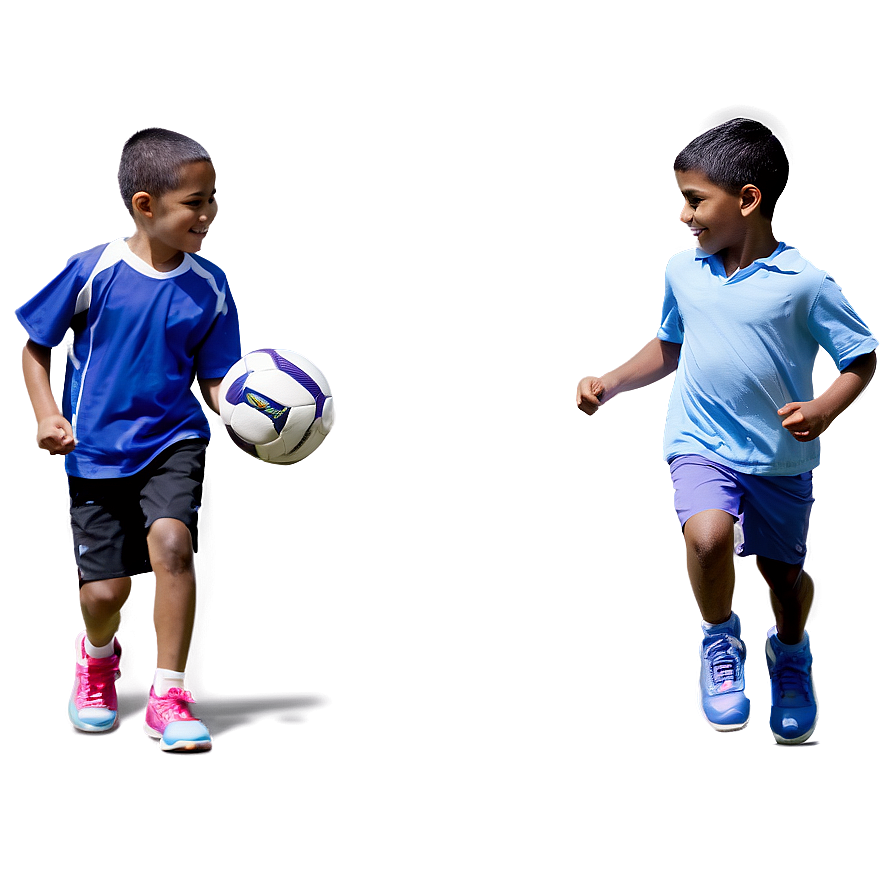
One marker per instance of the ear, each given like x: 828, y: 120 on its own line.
x: 141, y: 203
x: 750, y: 197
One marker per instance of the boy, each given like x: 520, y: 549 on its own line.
x: 147, y: 316
x: 742, y: 320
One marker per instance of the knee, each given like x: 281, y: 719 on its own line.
x: 782, y: 578
x: 104, y: 598
x: 710, y: 540
x: 170, y: 547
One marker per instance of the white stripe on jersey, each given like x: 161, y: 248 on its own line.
x: 221, y: 307
x: 112, y: 254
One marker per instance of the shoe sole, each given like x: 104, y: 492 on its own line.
x: 796, y: 740
x: 715, y: 725
x: 179, y: 746
x: 86, y: 728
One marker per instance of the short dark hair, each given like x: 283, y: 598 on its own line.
x: 737, y: 153
x: 151, y: 161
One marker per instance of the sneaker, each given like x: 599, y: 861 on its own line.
x: 794, y: 708
x: 93, y: 705
x: 722, y: 657
x: 169, y: 720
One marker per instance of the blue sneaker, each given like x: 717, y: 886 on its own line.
x: 794, y: 708
x: 722, y: 659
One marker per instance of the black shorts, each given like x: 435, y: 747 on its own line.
x: 111, y: 517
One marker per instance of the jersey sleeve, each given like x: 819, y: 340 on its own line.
x: 671, y: 327
x: 837, y: 328
x: 220, y: 349
x: 48, y: 315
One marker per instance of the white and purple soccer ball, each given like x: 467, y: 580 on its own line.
x: 276, y: 405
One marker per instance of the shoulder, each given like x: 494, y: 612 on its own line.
x: 682, y: 262
x: 789, y: 261
x: 683, y: 270
x: 216, y: 281
x: 816, y: 286
x: 211, y: 271
x: 84, y: 263
x: 89, y: 256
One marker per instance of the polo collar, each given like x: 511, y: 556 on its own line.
x: 785, y: 259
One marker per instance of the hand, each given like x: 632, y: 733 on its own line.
x: 804, y: 420
x: 54, y: 434
x: 588, y: 394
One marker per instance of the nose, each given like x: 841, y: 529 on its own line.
x: 687, y: 214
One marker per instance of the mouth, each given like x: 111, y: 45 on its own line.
x: 199, y: 231
x: 696, y: 231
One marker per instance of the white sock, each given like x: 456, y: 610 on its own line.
x: 99, y: 653
x: 709, y: 626
x: 165, y: 680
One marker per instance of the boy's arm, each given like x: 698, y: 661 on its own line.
x: 807, y: 420
x: 54, y: 432
x: 656, y: 360
x: 210, y: 389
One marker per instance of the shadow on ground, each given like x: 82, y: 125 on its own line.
x: 222, y: 714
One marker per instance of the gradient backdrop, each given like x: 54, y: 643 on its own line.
x: 455, y: 651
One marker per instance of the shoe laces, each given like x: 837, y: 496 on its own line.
x: 173, y: 705
x: 723, y: 662
x: 790, y: 679
x: 94, y: 681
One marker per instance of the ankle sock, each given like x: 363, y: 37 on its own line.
x: 99, y: 653
x: 165, y: 680
x: 718, y: 626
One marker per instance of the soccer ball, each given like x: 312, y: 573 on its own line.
x: 276, y: 405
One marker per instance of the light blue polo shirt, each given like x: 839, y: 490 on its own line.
x: 749, y: 343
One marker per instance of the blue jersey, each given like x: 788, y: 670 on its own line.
x: 140, y: 338
x: 749, y: 346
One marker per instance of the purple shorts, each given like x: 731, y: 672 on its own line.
x: 772, y: 511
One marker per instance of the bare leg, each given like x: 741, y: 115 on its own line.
x: 171, y: 556
x: 709, y: 537
x: 791, y: 591
x: 101, y: 604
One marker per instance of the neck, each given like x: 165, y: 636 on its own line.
x: 758, y: 243
x: 161, y: 258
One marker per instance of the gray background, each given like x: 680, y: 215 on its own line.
x: 455, y: 650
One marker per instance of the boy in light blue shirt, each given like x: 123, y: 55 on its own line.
x: 743, y: 318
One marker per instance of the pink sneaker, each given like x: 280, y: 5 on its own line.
x: 93, y: 705
x: 169, y: 720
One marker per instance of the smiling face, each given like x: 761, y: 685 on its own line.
x: 184, y: 215
x: 715, y: 216
x: 177, y: 221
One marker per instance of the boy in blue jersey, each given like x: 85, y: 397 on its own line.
x: 742, y: 321
x: 148, y: 316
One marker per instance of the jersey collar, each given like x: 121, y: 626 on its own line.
x: 138, y: 264
x: 785, y: 260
